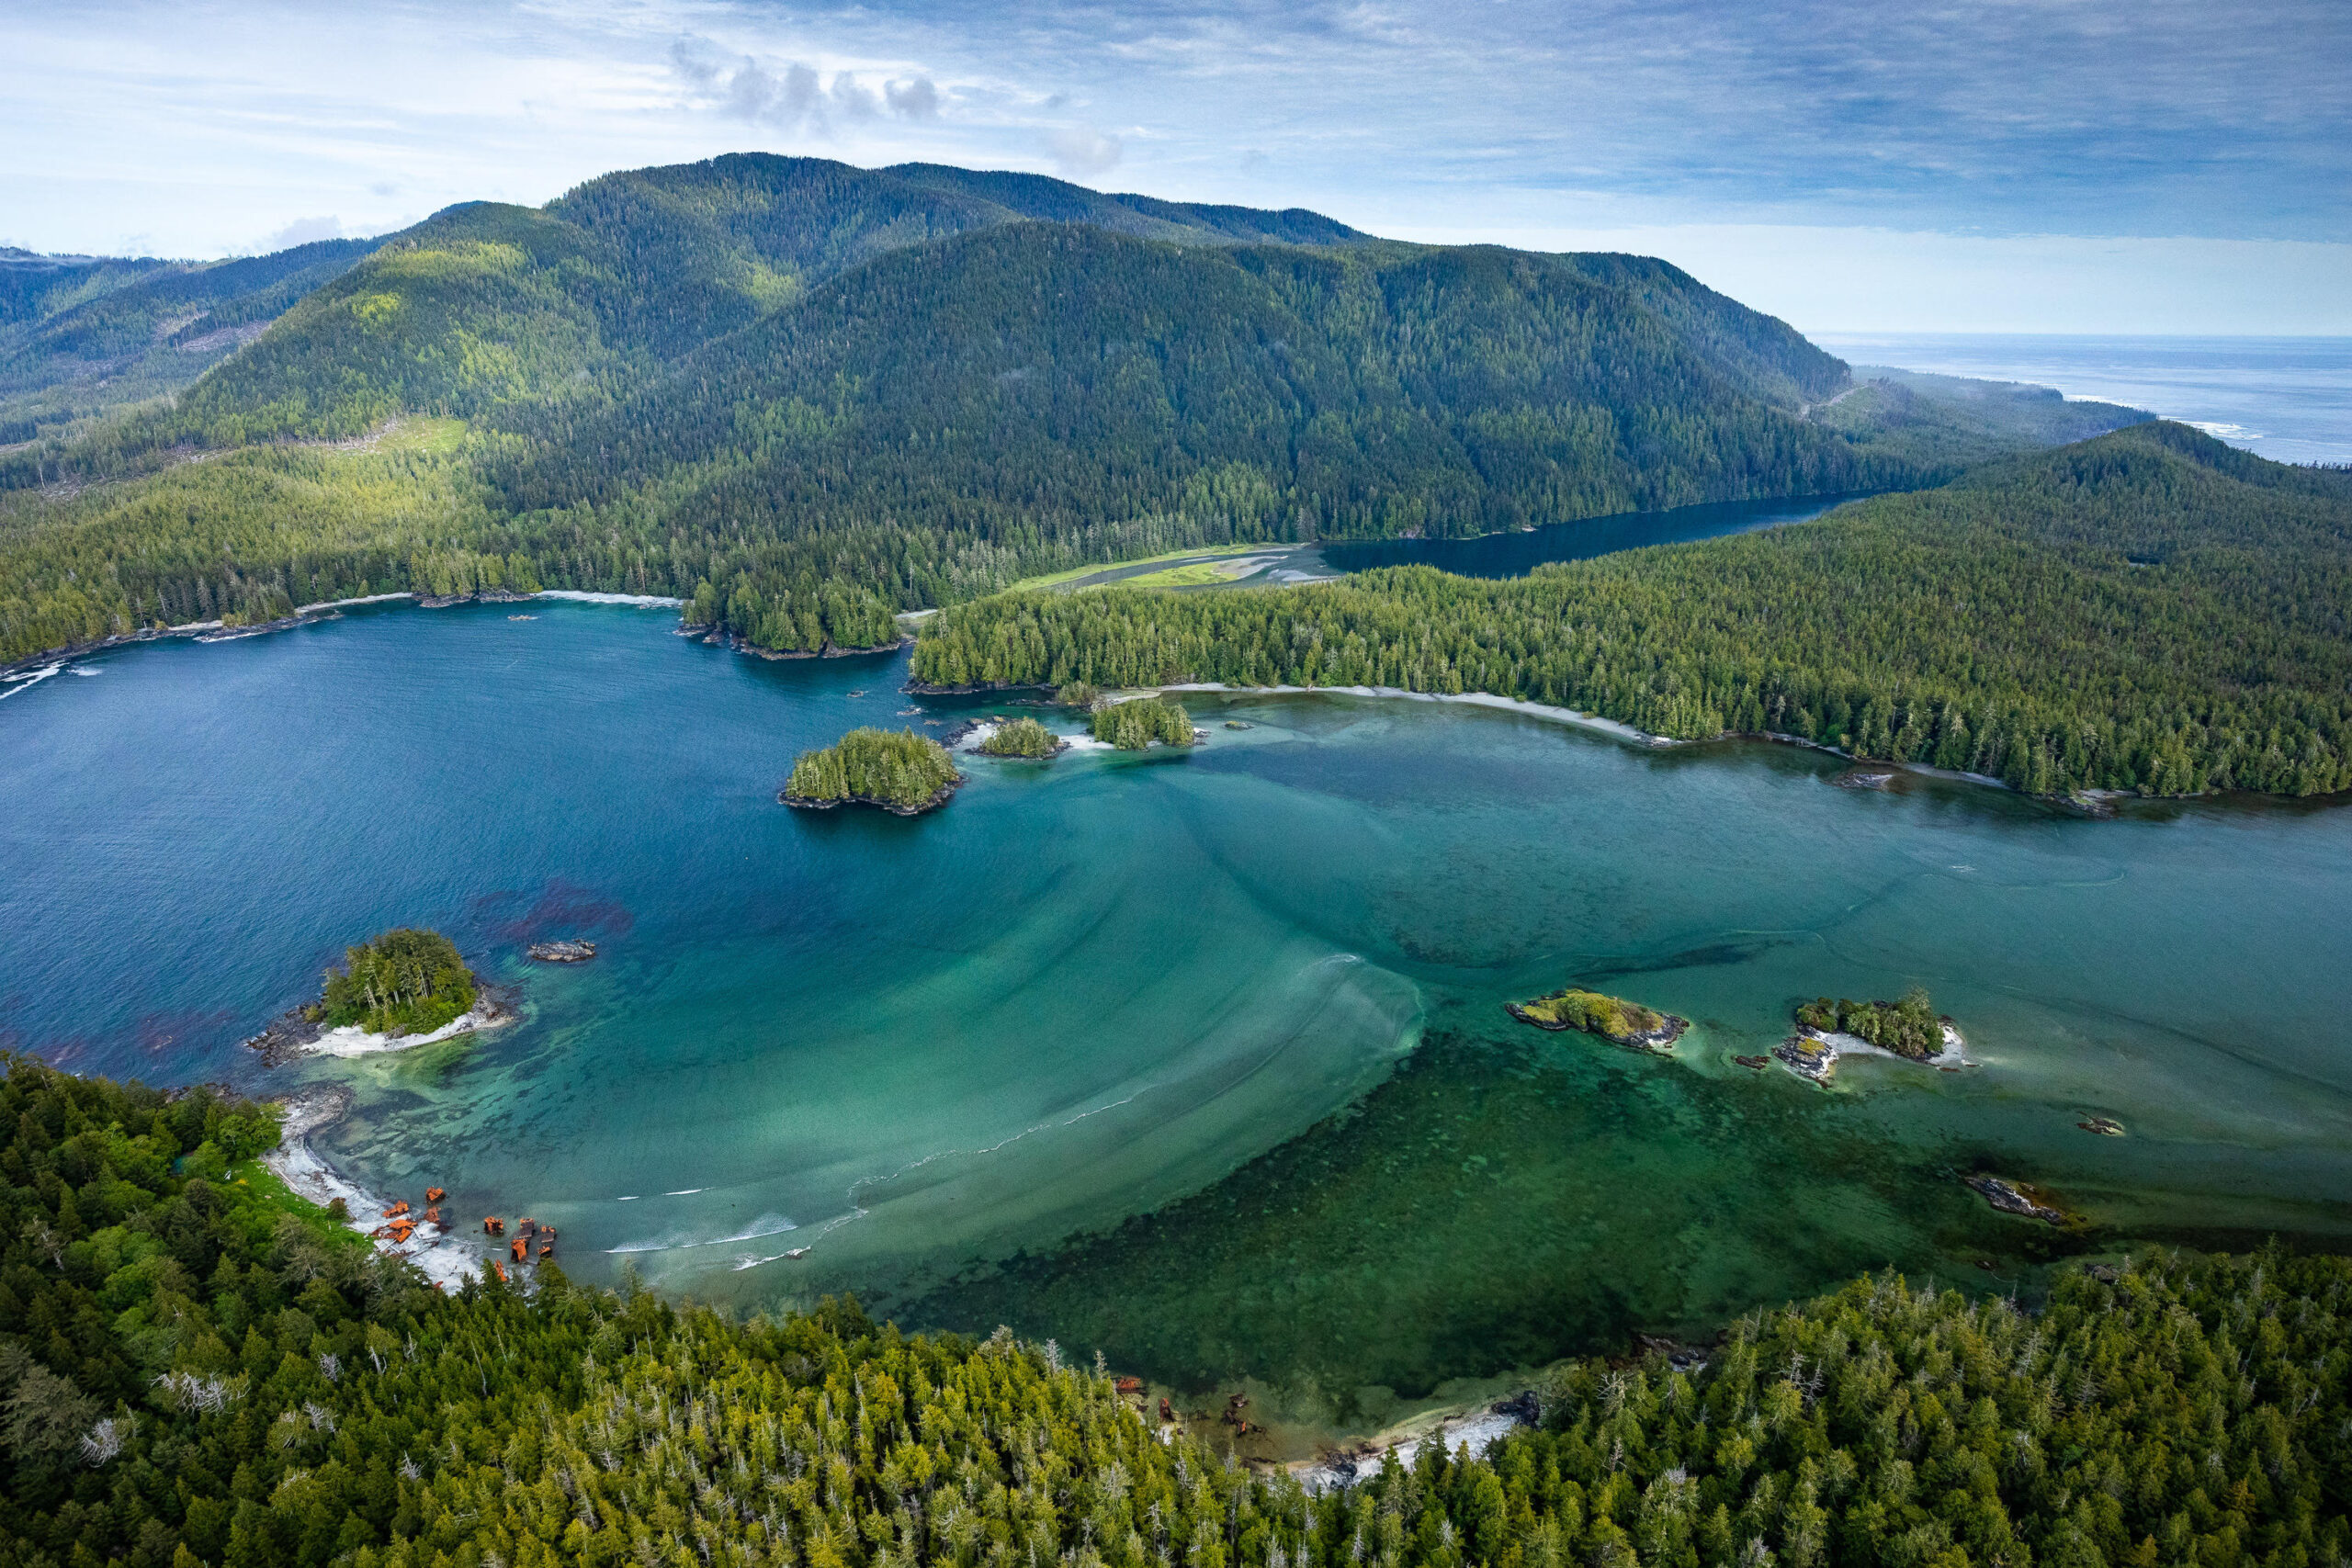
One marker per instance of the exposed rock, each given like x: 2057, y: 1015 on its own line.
x: 565, y: 952
x: 946, y: 791
x: 2014, y: 1198
x: 2105, y: 1126
x: 1814, y: 1060
x: 286, y: 1037
x: 1660, y: 1038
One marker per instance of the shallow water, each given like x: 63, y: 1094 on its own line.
x: 1092, y: 987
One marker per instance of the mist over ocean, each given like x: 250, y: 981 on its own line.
x: 2287, y: 398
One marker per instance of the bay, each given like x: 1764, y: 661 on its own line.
x: 1110, y: 1049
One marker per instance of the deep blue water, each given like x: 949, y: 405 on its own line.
x: 2289, y: 399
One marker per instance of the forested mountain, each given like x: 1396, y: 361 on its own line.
x: 942, y: 420
x: 487, y: 304
x: 805, y: 396
x: 197, y: 1369
x: 2150, y: 610
x: 80, y: 336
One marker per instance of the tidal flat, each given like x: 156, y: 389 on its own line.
x: 1194, y: 1056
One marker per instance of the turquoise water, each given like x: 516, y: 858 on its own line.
x: 1090, y: 987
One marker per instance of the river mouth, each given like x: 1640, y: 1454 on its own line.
x: 1196, y: 1058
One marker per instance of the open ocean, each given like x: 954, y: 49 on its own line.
x: 2289, y: 399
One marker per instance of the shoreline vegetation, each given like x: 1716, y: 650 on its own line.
x: 231, y: 629
x: 1908, y: 1029
x: 403, y: 988
x: 306, y: 1174
x: 1138, y: 724
x: 1912, y: 629
x: 371, y: 1418
x: 1613, y: 1018
x: 901, y: 772
x: 1021, y: 736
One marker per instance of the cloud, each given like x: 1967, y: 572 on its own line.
x: 1079, y: 152
x: 854, y: 101
x: 792, y: 95
x: 917, y: 99
x: 785, y: 101
x: 303, y: 232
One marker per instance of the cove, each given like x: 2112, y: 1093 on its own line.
x: 1196, y: 1059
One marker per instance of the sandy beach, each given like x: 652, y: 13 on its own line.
x: 353, y: 1041
x: 446, y: 1262
x: 1474, y: 699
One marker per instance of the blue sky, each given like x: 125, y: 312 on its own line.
x: 1998, y: 165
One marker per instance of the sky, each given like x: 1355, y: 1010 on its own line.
x: 1921, y: 165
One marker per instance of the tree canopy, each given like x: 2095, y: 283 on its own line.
x: 902, y: 770
x: 403, y: 982
x: 2150, y: 610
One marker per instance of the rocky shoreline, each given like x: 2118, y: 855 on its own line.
x: 717, y: 638
x: 294, y: 1034
x: 945, y: 793
x: 448, y: 1264
x: 925, y: 689
x: 1658, y: 1041
x: 2016, y: 1198
x: 1812, y: 1054
x: 305, y: 616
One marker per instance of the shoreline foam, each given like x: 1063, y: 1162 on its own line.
x: 1477, y: 1429
x: 351, y: 1040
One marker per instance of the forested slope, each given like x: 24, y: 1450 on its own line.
x: 805, y: 396
x: 193, y: 1372
x: 2150, y: 610
x: 945, y: 420
x: 80, y: 336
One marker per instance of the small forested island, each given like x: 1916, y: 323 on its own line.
x: 405, y: 982
x: 1909, y: 1027
x: 1615, y: 1019
x: 1022, y: 736
x: 2167, y: 1408
x: 903, y: 772
x: 1133, y: 726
